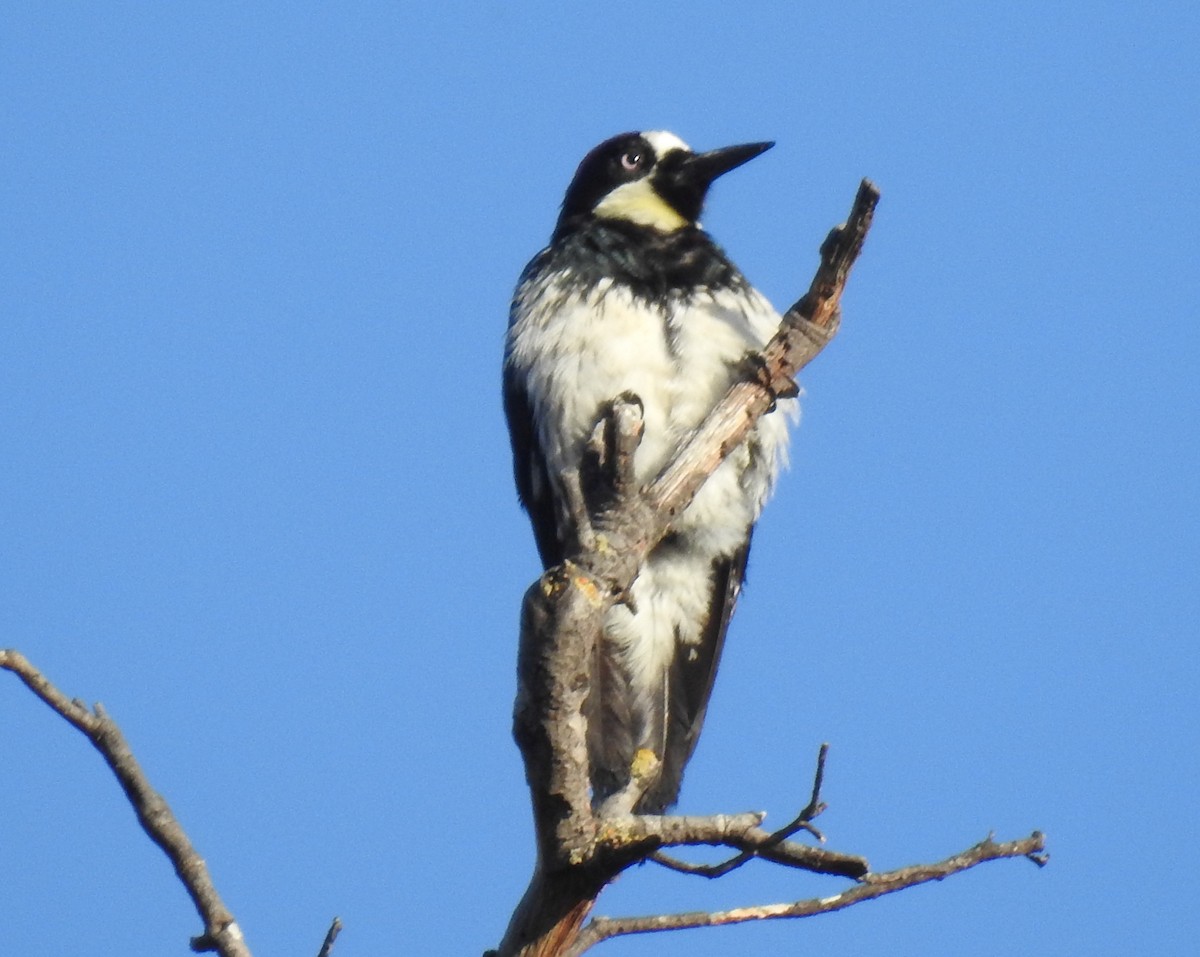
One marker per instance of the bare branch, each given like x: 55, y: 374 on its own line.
x: 563, y: 614
x: 327, y: 946
x: 802, y: 821
x: 807, y: 328
x: 739, y: 831
x: 872, y: 886
x: 666, y: 830
x: 221, y: 932
x: 815, y: 805
x: 751, y: 842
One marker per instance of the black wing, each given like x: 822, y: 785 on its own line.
x: 690, y: 681
x: 529, y: 470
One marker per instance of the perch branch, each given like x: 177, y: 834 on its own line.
x: 564, y: 612
x: 750, y: 842
x: 806, y: 329
x: 871, y: 886
x: 775, y: 842
x: 221, y: 932
x: 327, y: 945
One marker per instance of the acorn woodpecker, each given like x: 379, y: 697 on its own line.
x: 633, y: 296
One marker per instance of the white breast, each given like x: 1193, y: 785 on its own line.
x: 576, y: 352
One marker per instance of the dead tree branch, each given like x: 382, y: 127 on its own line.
x: 563, y: 614
x: 776, y: 847
x: 807, y: 328
x: 222, y: 934
x: 580, y: 849
x: 335, y: 928
x: 739, y: 831
x: 872, y: 886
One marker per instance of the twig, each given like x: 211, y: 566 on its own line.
x: 648, y: 833
x: 872, y: 886
x: 770, y: 846
x: 802, y: 821
x: 815, y: 805
x: 327, y: 946
x: 221, y: 932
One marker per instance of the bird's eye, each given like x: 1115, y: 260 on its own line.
x: 632, y: 160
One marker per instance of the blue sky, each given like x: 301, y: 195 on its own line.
x: 255, y: 490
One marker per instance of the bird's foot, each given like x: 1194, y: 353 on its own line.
x: 754, y: 368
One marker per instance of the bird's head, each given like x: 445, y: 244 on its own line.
x: 652, y: 179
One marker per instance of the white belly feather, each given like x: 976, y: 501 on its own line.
x: 576, y: 353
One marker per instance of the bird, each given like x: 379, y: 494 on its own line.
x: 632, y: 295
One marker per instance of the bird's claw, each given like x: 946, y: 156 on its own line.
x: 755, y: 369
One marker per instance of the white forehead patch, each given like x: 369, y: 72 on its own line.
x: 663, y: 142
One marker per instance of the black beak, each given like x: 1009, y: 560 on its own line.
x: 683, y: 179
x: 703, y: 168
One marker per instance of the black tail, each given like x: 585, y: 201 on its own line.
x: 621, y: 720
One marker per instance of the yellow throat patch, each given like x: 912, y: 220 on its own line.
x: 637, y: 202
